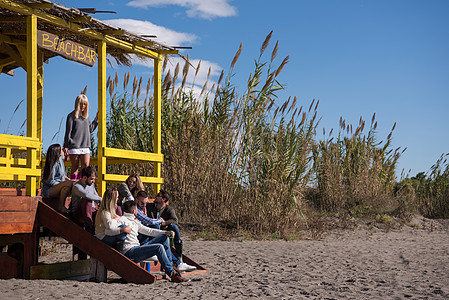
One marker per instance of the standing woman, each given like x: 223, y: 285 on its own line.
x: 56, y: 183
x: 77, y: 135
x: 128, y: 190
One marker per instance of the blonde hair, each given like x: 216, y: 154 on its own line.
x: 80, y: 99
x: 108, y: 204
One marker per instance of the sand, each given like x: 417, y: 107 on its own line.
x: 411, y: 262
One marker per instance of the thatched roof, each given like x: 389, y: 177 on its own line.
x: 13, y: 31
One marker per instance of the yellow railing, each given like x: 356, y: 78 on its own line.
x: 17, y: 169
x: 120, y: 156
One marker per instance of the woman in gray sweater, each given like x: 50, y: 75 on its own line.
x: 55, y: 182
x: 77, y: 135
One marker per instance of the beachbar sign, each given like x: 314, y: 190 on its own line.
x: 66, y: 48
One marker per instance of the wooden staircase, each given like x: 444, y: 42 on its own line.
x: 86, y: 242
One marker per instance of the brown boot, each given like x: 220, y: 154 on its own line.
x: 177, y: 278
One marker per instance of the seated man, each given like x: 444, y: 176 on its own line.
x: 142, y: 201
x: 158, y: 246
x: 85, y: 198
x: 159, y: 209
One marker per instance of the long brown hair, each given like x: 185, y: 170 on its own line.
x: 52, y: 157
x: 139, y: 185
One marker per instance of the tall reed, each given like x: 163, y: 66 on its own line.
x: 433, y: 190
x: 355, y: 169
x: 228, y: 157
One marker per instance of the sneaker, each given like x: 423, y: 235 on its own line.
x: 152, y: 258
x: 185, y: 267
x: 177, y: 278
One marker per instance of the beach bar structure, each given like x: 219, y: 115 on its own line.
x: 31, y: 33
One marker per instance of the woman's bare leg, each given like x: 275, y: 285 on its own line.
x: 75, y: 160
x: 61, y: 191
x: 85, y: 160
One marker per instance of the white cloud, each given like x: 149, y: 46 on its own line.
x: 197, y: 80
x: 164, y: 35
x: 204, y: 9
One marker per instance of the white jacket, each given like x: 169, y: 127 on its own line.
x: 136, y: 228
x: 105, y: 225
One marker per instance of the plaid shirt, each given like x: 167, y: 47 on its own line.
x: 145, y: 220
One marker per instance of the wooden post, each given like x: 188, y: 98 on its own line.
x: 31, y: 99
x: 40, y: 96
x: 31, y: 249
x: 157, y: 120
x: 101, y: 183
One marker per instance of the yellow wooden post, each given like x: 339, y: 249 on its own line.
x: 157, y: 119
x: 31, y: 99
x: 8, y: 157
x: 40, y: 96
x: 101, y: 183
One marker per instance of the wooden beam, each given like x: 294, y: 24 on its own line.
x: 143, y: 43
x: 44, y: 5
x: 8, y: 266
x: 113, y: 32
x: 144, y: 156
x: 14, y: 55
x: 21, y: 171
x: 17, y: 19
x: 82, y: 19
x: 168, y: 52
x: 31, y: 69
x: 40, y: 96
x: 64, y: 270
x: 157, y: 138
x: 113, y: 178
x: 6, y: 61
x: 9, y: 40
x: 23, y: 9
x: 19, y: 141
x: 13, y: 32
x: 101, y: 116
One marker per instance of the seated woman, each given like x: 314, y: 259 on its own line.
x: 55, y: 182
x: 106, y: 227
x: 128, y: 190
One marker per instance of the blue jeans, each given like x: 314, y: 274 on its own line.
x: 110, y: 240
x: 174, y: 228
x: 139, y: 253
x: 163, y: 239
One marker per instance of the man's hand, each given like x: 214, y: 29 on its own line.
x: 126, y: 229
x: 170, y: 233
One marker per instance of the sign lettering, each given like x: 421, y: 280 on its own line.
x: 66, y: 48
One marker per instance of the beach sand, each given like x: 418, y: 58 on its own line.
x: 411, y: 262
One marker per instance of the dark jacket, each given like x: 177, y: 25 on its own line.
x: 167, y: 213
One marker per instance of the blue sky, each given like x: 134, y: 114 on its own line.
x: 357, y: 57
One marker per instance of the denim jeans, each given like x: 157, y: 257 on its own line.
x: 163, y: 239
x: 174, y: 228
x: 110, y: 240
x: 139, y: 253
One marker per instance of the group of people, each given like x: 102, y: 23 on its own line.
x: 124, y: 218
